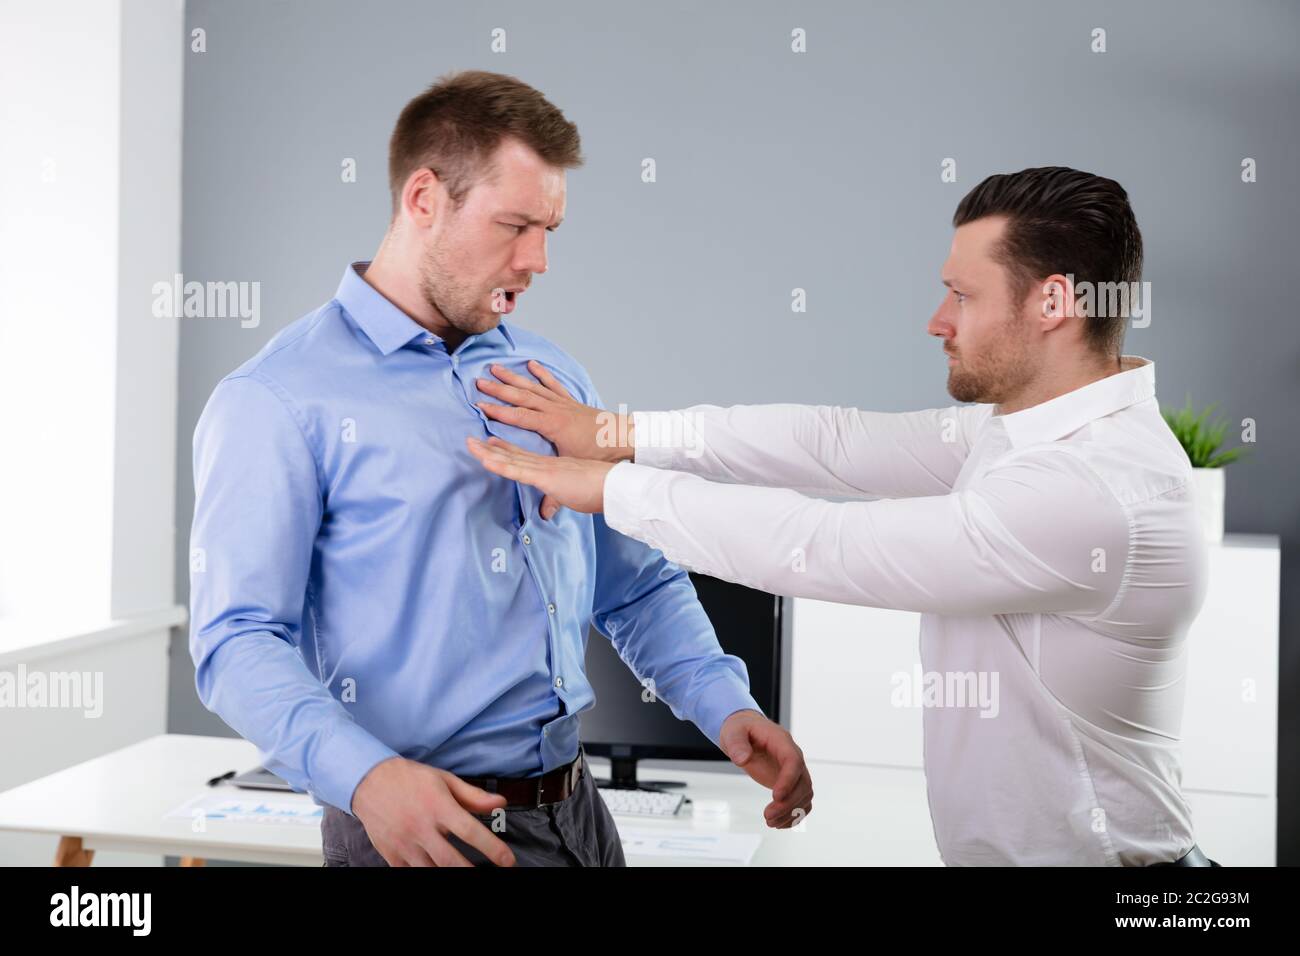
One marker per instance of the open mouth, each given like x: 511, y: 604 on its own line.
x: 507, y: 299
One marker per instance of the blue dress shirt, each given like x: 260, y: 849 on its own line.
x: 360, y: 587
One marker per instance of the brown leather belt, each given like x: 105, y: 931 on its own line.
x: 527, y: 793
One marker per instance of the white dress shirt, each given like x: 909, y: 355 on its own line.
x: 1055, y: 549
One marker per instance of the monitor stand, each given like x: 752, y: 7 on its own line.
x: 623, y: 777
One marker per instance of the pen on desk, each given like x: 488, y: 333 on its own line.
x: 225, y: 776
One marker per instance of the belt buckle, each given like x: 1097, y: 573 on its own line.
x: 571, y: 778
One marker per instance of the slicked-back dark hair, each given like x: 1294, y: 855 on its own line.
x: 457, y: 123
x: 1063, y: 220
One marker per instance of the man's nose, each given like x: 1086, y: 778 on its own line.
x: 530, y: 255
x: 941, y: 322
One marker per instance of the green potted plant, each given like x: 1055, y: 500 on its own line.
x: 1201, y: 440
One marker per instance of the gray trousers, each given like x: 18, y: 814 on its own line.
x: 577, y: 831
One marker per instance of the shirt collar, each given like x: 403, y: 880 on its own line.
x: 1058, y: 417
x: 387, y: 326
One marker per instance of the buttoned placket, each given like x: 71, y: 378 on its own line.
x: 523, y: 532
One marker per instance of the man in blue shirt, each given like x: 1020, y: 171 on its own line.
x: 397, y: 630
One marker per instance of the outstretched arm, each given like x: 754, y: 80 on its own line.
x: 1040, y: 533
x: 818, y: 449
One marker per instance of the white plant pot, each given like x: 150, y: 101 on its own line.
x: 1207, y: 486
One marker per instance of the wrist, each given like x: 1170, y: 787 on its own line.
x: 615, y: 437
x: 628, y: 428
x: 367, y: 785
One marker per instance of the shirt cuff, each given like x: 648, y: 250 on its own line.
x: 651, y: 434
x: 342, y: 762
x: 720, y: 700
x: 627, y: 486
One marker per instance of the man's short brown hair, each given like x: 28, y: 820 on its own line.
x: 457, y: 123
x: 1067, y: 221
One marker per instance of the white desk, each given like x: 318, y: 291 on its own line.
x: 120, y: 801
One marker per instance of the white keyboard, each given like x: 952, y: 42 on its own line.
x: 642, y: 803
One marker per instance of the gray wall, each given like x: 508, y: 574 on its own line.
x: 776, y: 170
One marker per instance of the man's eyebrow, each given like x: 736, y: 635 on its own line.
x: 531, y: 220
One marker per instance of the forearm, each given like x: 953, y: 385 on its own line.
x: 1023, y: 541
x: 650, y: 611
x: 259, y: 685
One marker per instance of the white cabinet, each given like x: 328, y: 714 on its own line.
x: 1230, y: 724
x: 843, y: 659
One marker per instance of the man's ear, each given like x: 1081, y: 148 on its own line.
x: 423, y: 198
x: 1057, y: 300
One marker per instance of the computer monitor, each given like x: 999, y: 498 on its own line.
x: 627, y: 724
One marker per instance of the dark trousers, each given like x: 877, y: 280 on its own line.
x: 577, y: 831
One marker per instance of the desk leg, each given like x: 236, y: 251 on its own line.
x: 70, y: 853
x: 193, y: 861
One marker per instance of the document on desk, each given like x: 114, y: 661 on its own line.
x: 242, y: 809
x: 718, y: 847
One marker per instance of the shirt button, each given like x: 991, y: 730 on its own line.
x: 428, y: 341
x: 546, y: 731
x: 550, y: 608
x: 527, y: 540
x: 559, y: 682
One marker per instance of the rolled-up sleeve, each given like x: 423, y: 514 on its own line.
x: 257, y: 510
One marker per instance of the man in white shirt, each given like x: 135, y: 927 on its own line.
x: 1046, y: 532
